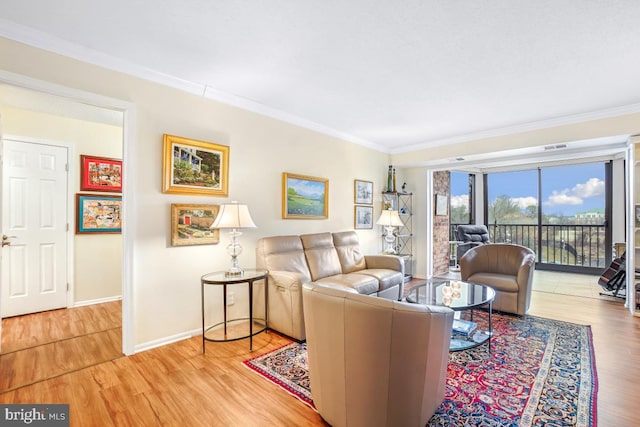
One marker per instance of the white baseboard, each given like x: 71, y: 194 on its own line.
x: 96, y: 301
x: 166, y: 340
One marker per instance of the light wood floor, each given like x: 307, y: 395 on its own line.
x: 44, y: 345
x: 178, y: 385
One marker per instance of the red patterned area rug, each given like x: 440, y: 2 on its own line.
x: 539, y: 372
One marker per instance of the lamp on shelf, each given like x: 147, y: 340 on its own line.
x: 234, y: 216
x: 389, y: 219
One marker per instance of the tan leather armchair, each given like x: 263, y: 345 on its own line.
x: 507, y: 268
x: 374, y: 361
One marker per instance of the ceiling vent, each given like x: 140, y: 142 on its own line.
x: 555, y: 147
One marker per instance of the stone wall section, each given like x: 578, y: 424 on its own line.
x: 441, y: 186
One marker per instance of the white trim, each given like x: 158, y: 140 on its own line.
x: 274, y: 113
x: 631, y: 164
x: 167, y: 340
x: 129, y: 201
x: 521, y: 158
x: 128, y: 231
x: 54, y: 44
x: 57, y: 45
x: 97, y: 301
x: 430, y: 221
x: 524, y: 127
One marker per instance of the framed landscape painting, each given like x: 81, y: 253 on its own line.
x: 363, y: 192
x: 97, y: 214
x: 190, y: 225
x: 100, y: 174
x: 363, y: 217
x: 304, y: 197
x: 194, y: 167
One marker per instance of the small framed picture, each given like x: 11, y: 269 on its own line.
x: 100, y: 174
x: 97, y: 214
x: 442, y: 203
x: 190, y: 225
x: 363, y: 217
x: 363, y: 192
x: 637, y: 215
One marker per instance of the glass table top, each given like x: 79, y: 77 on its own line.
x: 455, y: 294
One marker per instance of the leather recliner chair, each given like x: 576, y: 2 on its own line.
x: 374, y: 361
x: 507, y: 268
x: 471, y: 235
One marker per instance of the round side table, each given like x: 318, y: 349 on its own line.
x: 219, y: 278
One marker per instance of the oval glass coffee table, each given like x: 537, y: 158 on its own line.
x: 459, y: 296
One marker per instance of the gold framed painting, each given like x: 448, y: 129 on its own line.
x: 190, y: 225
x: 304, y: 197
x: 194, y: 167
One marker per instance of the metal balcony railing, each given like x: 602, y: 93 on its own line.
x: 571, y: 245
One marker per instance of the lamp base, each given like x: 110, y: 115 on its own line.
x: 234, y: 272
x: 389, y: 240
x: 234, y: 249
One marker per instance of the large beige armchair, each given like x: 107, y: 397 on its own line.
x: 507, y: 268
x: 374, y: 361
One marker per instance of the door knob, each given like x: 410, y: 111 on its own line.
x: 5, y: 240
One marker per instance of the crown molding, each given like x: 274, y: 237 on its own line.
x: 62, y: 47
x: 524, y: 127
x: 57, y: 45
x: 274, y: 113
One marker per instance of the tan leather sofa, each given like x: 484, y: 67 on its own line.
x: 334, y: 259
x: 507, y: 268
x: 373, y: 361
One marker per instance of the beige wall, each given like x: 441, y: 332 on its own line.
x: 166, y: 279
x: 97, y: 258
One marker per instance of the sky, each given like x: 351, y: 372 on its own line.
x: 307, y: 188
x: 566, y: 190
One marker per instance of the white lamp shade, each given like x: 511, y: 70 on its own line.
x: 233, y: 216
x: 389, y: 218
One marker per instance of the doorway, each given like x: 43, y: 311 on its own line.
x: 64, y: 105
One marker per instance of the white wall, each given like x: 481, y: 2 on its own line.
x: 97, y: 258
x: 166, y: 279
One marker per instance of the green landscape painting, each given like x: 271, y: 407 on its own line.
x: 305, y: 197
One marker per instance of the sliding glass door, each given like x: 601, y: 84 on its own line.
x: 560, y: 212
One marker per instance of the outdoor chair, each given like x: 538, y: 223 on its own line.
x: 470, y: 236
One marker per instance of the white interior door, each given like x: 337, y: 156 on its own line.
x: 34, y: 221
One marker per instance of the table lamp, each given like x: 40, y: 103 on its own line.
x: 234, y: 216
x: 389, y: 219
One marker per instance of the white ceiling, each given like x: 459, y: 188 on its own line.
x: 393, y: 75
